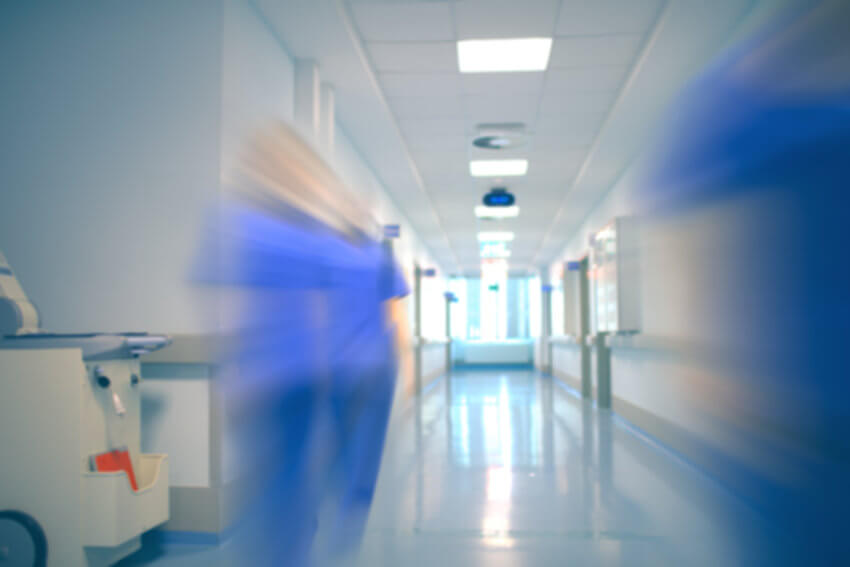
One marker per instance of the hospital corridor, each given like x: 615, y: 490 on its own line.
x: 425, y: 283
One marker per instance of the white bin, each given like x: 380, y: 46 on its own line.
x: 114, y: 514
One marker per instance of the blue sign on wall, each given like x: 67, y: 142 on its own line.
x: 392, y: 231
x: 546, y: 287
x: 429, y: 272
x: 573, y: 266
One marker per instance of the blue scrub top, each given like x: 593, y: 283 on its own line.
x: 281, y: 269
x: 313, y: 299
x: 361, y: 338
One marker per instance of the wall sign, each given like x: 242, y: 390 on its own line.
x: 392, y: 231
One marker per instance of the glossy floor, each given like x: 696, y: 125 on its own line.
x: 510, y: 468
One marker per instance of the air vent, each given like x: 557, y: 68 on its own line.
x: 500, y: 136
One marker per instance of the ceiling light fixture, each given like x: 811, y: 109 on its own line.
x: 503, y: 55
x: 498, y: 167
x: 497, y: 236
x: 495, y: 250
x: 483, y: 212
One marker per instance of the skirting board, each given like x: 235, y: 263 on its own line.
x: 569, y: 380
x: 722, y: 467
x: 431, y: 376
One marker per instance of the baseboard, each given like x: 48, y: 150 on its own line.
x: 569, y: 380
x: 693, y: 451
x: 494, y: 366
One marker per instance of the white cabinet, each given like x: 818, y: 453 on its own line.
x: 614, y: 275
x: 64, y: 399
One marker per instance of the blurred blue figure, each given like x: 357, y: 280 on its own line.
x: 312, y: 362
x: 278, y: 374
x: 764, y: 137
x: 363, y: 377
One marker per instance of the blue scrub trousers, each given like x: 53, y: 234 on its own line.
x: 278, y: 445
x: 360, y: 406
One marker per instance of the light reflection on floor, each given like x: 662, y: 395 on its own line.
x: 510, y: 468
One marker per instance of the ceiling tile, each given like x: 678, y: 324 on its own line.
x: 427, y: 142
x: 557, y: 169
x: 505, y: 18
x: 432, y: 128
x: 561, y: 124
x: 595, y: 50
x: 582, y: 17
x: 554, y: 103
x: 560, y: 153
x: 501, y: 83
x: 451, y: 165
x: 568, y: 129
x: 420, y: 84
x: 586, y: 79
x: 427, y: 107
x: 414, y: 57
x: 404, y: 22
x: 437, y: 177
x: 493, y: 109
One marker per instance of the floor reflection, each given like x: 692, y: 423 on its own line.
x: 511, y: 468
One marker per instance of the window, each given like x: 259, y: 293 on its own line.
x: 492, y: 307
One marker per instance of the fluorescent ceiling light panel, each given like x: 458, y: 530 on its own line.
x: 495, y: 236
x: 495, y: 253
x: 484, y: 212
x: 498, y: 167
x: 503, y: 55
x: 495, y: 250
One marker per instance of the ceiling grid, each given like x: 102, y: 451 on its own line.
x: 412, y: 46
x: 612, y: 70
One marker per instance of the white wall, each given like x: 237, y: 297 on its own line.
x: 433, y: 361
x: 122, y: 121
x: 110, y: 153
x: 177, y: 422
x: 120, y: 126
x: 566, y: 360
x: 257, y: 80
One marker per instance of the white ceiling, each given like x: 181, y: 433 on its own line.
x: 400, y: 96
x: 412, y: 49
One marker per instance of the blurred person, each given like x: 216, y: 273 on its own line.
x: 368, y: 319
x: 756, y: 161
x: 311, y: 343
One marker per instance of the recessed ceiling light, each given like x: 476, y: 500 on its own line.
x: 503, y: 236
x: 498, y: 167
x: 495, y: 250
x: 503, y: 55
x: 483, y: 212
